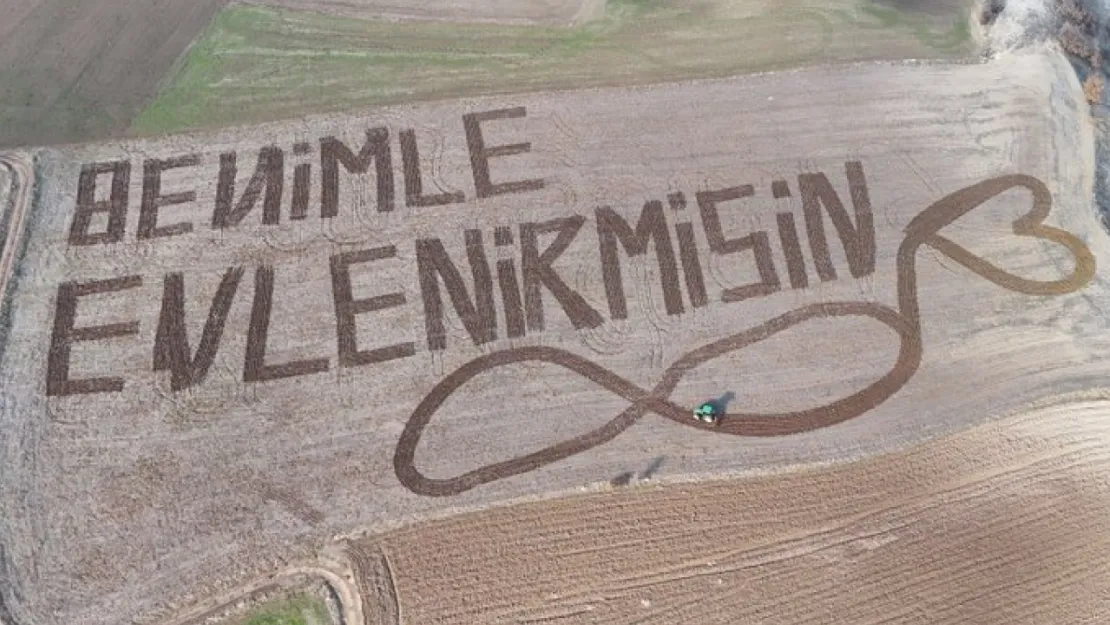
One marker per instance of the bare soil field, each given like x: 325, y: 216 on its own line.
x: 560, y: 12
x: 258, y: 64
x: 226, y: 349
x: 389, y: 352
x: 72, y: 71
x: 1003, y: 524
x: 963, y: 528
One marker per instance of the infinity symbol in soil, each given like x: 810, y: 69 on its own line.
x: 905, y: 323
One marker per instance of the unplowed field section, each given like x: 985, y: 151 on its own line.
x: 74, y: 70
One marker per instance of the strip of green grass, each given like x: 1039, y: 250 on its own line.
x: 301, y: 610
x: 256, y: 64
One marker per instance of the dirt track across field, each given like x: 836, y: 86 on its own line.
x: 191, y: 408
x: 72, y: 71
x: 16, y: 188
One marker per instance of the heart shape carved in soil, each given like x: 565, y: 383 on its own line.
x: 904, y: 322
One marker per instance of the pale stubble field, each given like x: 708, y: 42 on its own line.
x: 134, y: 504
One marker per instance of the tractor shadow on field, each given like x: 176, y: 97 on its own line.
x: 624, y: 479
x: 720, y: 404
x: 720, y: 407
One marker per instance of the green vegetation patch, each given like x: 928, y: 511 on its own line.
x: 300, y: 610
x: 258, y: 64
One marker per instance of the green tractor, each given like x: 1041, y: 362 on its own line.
x: 708, y: 412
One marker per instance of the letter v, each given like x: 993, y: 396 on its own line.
x: 171, y: 343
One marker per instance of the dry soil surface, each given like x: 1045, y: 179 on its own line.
x: 1004, y: 524
x: 335, y: 390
